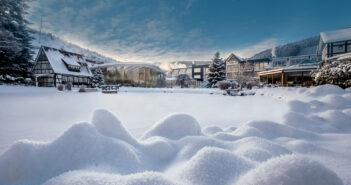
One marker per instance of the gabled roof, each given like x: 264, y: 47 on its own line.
x: 232, y: 55
x: 336, y: 35
x: 57, y: 58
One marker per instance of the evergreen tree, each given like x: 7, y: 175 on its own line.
x: 15, y: 46
x: 217, y: 71
x: 98, y: 78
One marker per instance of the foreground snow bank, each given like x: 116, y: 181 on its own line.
x: 310, y: 147
x: 290, y: 170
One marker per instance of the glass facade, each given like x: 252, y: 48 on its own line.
x: 136, y: 76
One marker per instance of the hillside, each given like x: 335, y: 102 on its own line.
x: 50, y: 40
x: 304, y: 47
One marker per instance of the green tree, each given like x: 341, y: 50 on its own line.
x: 216, y: 71
x: 15, y: 41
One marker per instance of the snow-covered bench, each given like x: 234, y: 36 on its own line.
x: 109, y: 88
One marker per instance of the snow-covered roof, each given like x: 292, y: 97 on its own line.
x: 232, y: 55
x: 336, y: 35
x: 346, y: 56
x: 58, y: 57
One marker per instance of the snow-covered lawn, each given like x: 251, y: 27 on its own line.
x: 178, y: 136
x: 43, y: 114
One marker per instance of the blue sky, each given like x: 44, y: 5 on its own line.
x: 173, y: 30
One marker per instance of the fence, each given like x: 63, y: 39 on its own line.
x: 192, y: 83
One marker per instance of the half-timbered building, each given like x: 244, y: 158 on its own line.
x: 53, y: 67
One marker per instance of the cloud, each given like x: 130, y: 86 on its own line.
x: 128, y: 30
x: 190, y: 3
x: 256, y: 48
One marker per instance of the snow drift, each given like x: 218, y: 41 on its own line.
x: 290, y: 170
x: 309, y: 147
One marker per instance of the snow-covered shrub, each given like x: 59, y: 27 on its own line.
x: 223, y: 85
x: 60, y: 87
x: 249, y: 86
x: 69, y: 86
x: 183, y: 80
x: 82, y: 89
x: 333, y: 72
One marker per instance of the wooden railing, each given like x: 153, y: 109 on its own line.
x: 109, y: 88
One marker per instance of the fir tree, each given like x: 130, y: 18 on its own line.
x: 98, y: 78
x: 15, y: 46
x: 217, y: 71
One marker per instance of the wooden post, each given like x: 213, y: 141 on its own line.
x: 267, y: 79
x: 259, y: 78
x: 272, y: 79
x: 283, y: 78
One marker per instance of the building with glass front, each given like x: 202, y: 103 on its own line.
x: 133, y: 74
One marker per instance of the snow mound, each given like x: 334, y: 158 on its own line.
x: 210, y: 130
x: 175, y: 126
x: 94, y: 178
x: 248, y: 131
x: 109, y: 125
x: 258, y: 149
x: 80, y: 146
x: 299, y: 106
x: 271, y: 130
x: 323, y: 90
x: 159, y: 148
x: 311, y: 123
x: 214, y: 166
x: 304, y: 147
x: 337, y: 119
x: 226, y: 136
x: 290, y: 170
x: 190, y: 145
x: 336, y: 101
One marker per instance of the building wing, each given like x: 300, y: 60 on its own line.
x: 336, y: 35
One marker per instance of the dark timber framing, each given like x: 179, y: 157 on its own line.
x: 336, y: 48
x: 45, y: 75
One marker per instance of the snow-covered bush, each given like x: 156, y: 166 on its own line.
x: 223, y: 85
x: 82, y: 89
x: 183, y: 80
x: 69, y: 86
x: 60, y: 87
x: 333, y: 72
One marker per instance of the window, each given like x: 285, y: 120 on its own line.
x: 232, y: 61
x: 197, y: 76
x: 231, y: 75
x: 257, y: 66
x: 197, y: 70
x: 232, y: 68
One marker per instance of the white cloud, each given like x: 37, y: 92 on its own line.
x: 118, y: 36
x: 256, y: 48
x: 190, y: 3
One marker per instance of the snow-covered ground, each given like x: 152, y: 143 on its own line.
x: 175, y: 136
x: 43, y: 114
